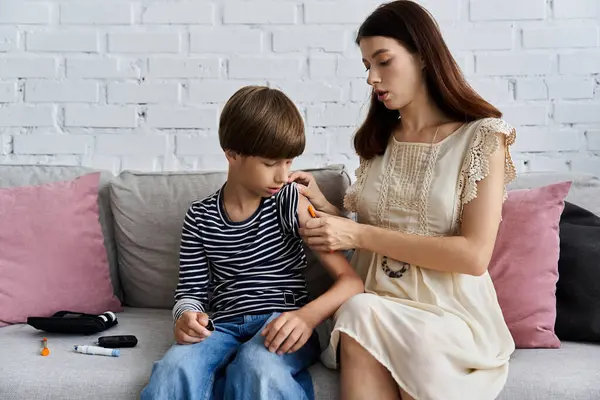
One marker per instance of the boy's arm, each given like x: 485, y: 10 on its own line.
x: 192, y: 288
x: 283, y: 334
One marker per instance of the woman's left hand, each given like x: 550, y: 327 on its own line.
x: 329, y: 233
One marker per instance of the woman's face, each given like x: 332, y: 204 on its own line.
x: 395, y: 74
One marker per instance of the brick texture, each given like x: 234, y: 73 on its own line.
x: 139, y: 84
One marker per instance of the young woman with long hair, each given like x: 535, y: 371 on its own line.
x: 434, y: 163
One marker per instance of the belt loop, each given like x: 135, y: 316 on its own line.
x: 289, y: 299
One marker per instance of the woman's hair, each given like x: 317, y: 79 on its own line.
x: 262, y: 122
x: 413, y: 26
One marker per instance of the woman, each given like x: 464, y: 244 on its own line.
x: 428, y: 199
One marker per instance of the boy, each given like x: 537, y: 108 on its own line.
x: 242, y: 245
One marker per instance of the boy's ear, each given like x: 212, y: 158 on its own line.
x: 231, y: 155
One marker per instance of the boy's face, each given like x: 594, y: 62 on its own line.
x: 263, y: 176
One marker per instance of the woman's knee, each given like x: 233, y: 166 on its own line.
x: 358, y: 305
x: 350, y: 348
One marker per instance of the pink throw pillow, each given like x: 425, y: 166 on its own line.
x: 52, y: 254
x: 524, y: 265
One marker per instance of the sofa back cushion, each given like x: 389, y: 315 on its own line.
x: 148, y: 210
x: 30, y: 175
x: 584, y: 192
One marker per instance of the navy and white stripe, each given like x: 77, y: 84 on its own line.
x: 250, y: 267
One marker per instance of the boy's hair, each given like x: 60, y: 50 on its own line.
x: 262, y: 122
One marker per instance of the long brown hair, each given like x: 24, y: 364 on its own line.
x: 415, y: 28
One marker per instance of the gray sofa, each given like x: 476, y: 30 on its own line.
x: 141, y: 217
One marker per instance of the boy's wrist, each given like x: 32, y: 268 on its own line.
x: 309, y: 316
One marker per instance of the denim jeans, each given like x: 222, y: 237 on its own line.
x: 233, y: 364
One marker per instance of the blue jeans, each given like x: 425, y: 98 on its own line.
x: 233, y: 364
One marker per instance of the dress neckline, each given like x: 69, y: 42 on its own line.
x: 425, y: 144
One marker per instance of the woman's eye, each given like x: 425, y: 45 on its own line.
x: 384, y: 63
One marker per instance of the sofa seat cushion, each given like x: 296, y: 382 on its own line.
x: 571, y: 372
x: 65, y: 374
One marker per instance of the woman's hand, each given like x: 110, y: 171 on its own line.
x: 307, y: 186
x: 329, y: 233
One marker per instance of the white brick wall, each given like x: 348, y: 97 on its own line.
x: 139, y: 84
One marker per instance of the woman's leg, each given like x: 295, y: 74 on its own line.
x: 362, y: 376
x: 405, y: 396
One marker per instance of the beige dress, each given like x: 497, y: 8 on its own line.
x: 441, y: 335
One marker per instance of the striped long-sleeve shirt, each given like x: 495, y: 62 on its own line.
x: 250, y: 267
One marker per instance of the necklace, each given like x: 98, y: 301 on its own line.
x: 404, y: 265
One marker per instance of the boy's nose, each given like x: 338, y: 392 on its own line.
x: 281, y: 176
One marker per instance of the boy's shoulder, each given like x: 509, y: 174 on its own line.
x: 288, y: 191
x: 207, y: 203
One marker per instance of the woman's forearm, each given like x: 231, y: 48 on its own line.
x: 447, y: 253
x: 331, y: 210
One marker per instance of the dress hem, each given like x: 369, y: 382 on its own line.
x: 375, y: 355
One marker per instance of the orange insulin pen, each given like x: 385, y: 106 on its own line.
x: 312, y: 213
x: 45, y: 350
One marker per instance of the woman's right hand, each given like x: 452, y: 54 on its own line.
x: 307, y: 186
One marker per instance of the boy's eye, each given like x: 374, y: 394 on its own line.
x: 269, y: 164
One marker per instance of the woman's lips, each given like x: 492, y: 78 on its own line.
x: 381, y: 95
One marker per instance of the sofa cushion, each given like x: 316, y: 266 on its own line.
x: 524, y: 272
x: 66, y: 374
x: 53, y: 256
x: 578, y: 291
x: 149, y: 209
x: 584, y: 192
x: 28, y: 175
x: 572, y: 372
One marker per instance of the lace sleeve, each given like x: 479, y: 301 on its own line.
x: 486, y: 141
x: 352, y: 196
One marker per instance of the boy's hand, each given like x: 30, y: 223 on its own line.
x: 191, y: 327
x: 287, y: 333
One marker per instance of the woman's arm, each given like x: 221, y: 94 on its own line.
x: 468, y: 253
